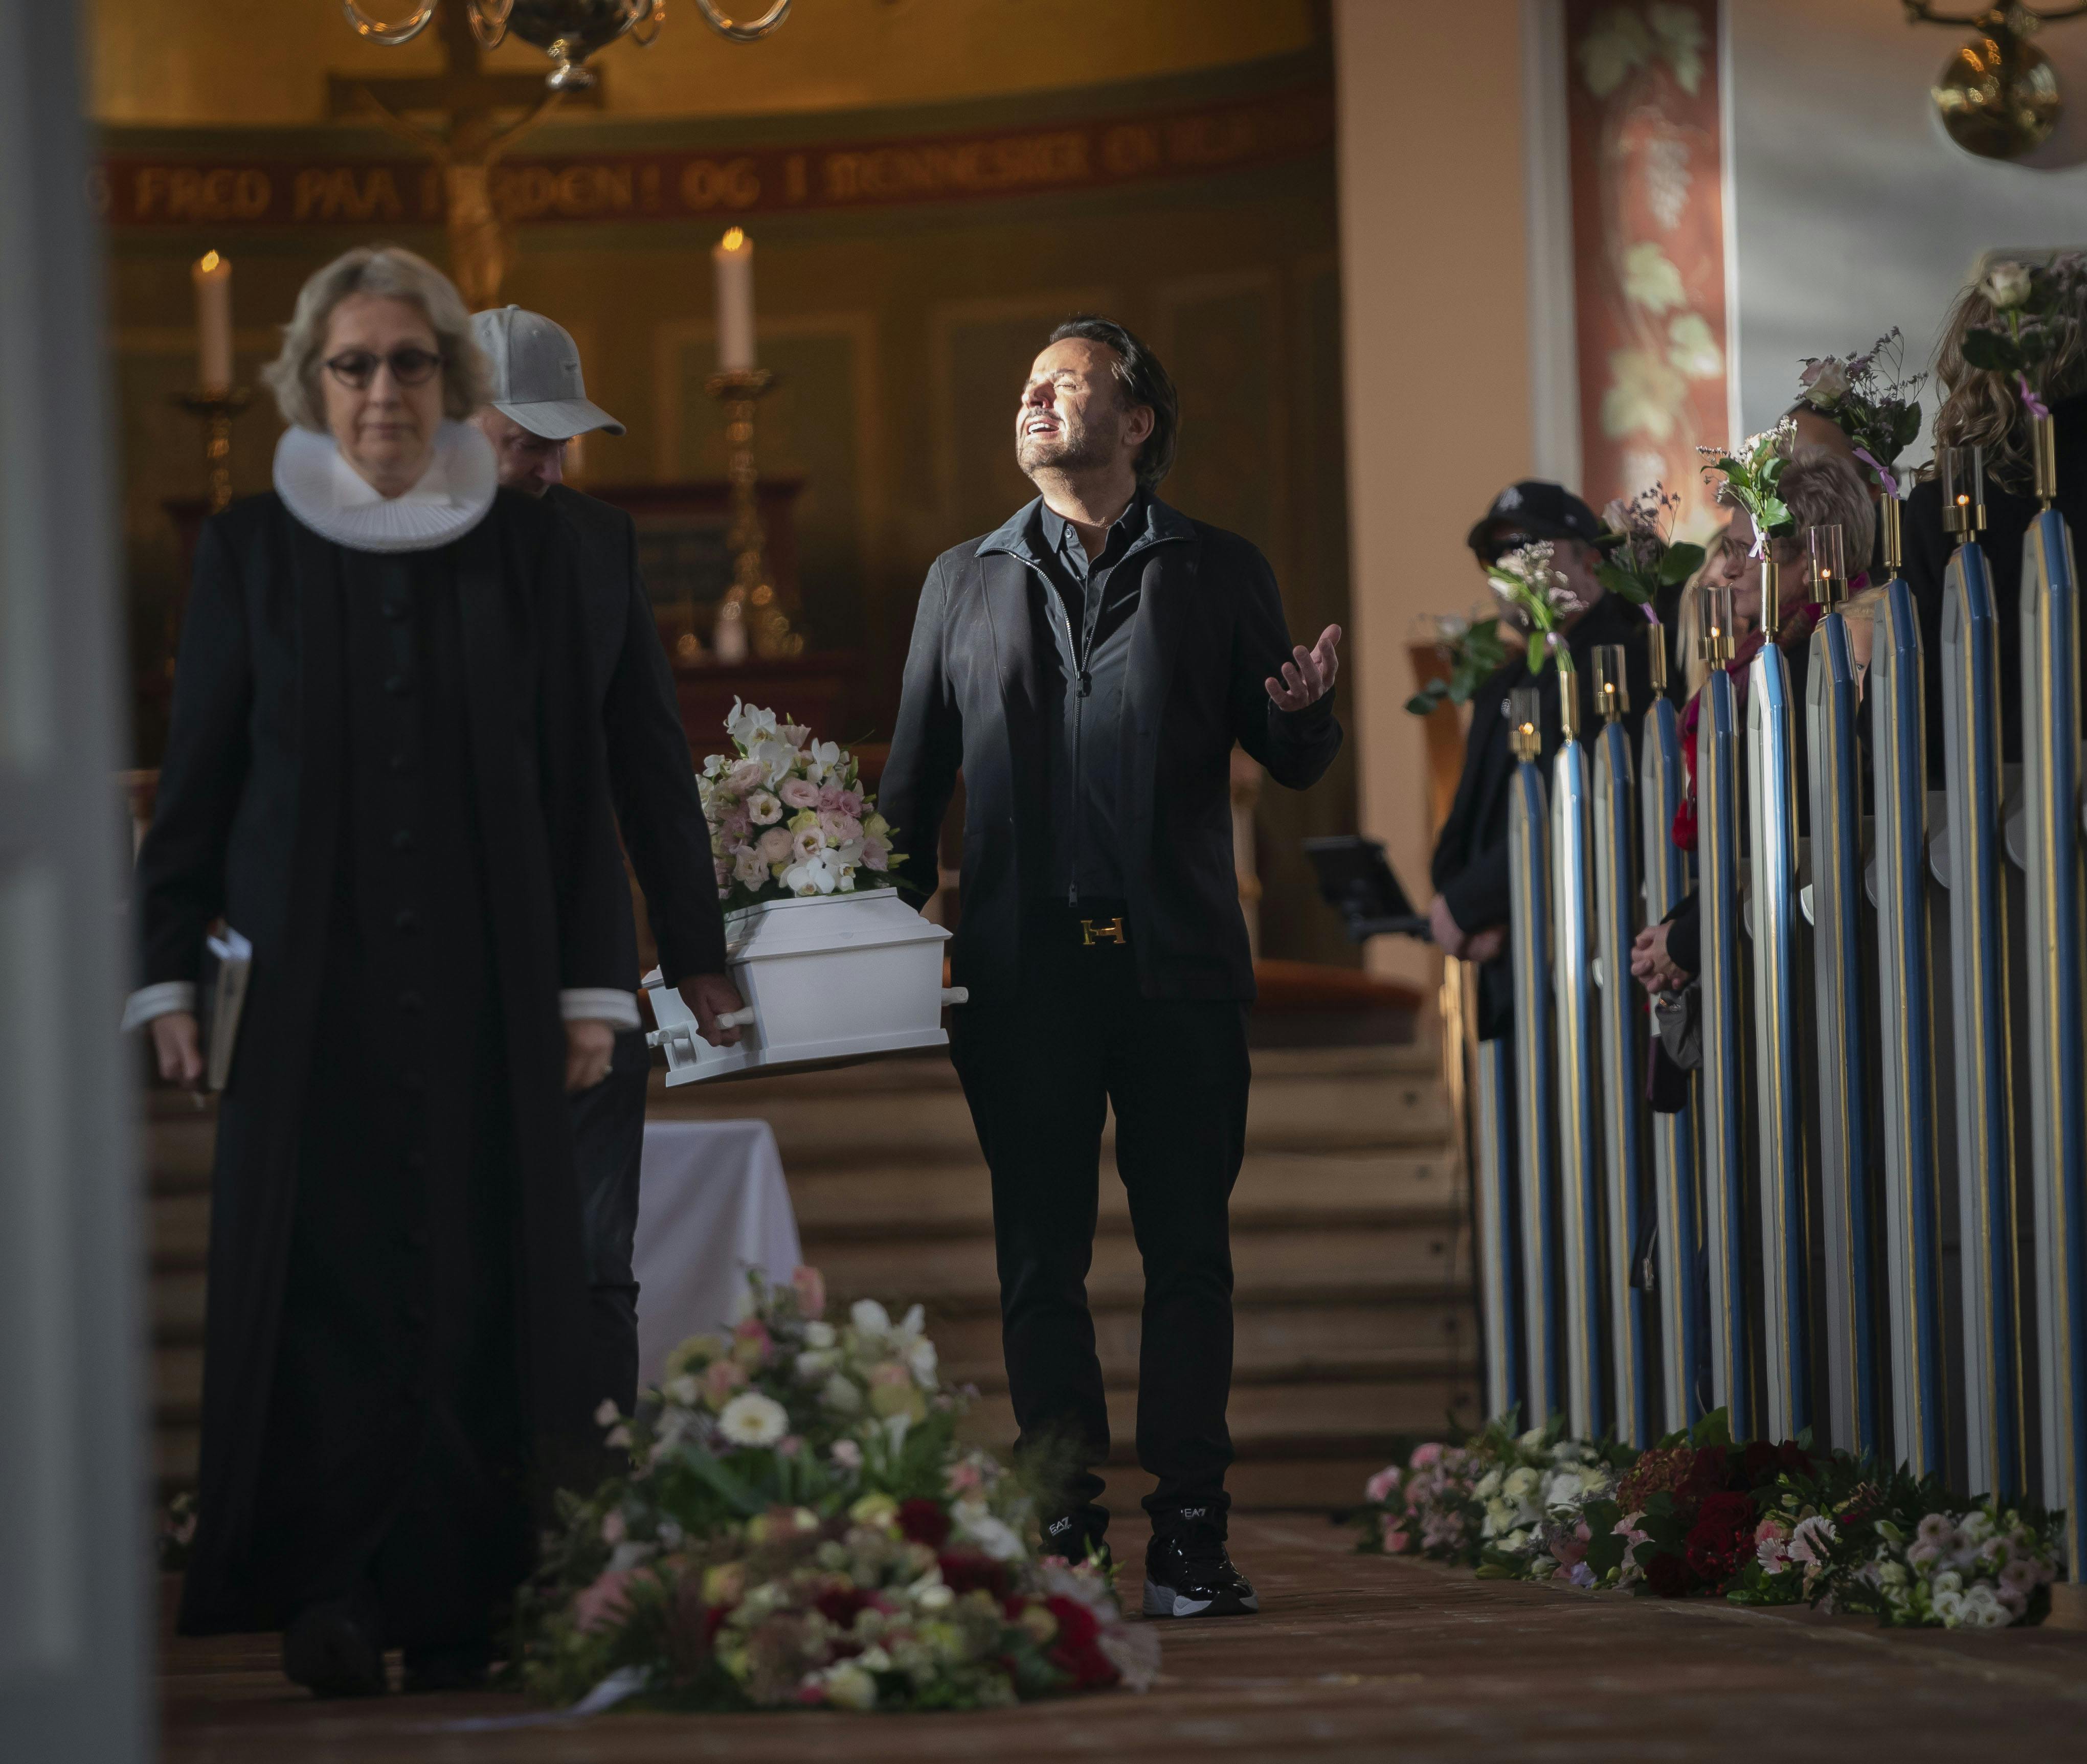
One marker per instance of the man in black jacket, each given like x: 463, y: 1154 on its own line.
x: 1469, y: 914
x: 539, y: 403
x: 1089, y: 666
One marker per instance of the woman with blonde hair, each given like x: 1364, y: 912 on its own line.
x: 1984, y: 407
x: 382, y: 772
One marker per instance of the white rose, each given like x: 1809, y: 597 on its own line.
x: 1826, y: 383
x: 2006, y: 285
x: 868, y: 1318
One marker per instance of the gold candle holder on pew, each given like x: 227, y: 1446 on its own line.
x: 1891, y: 512
x: 216, y: 407
x: 1964, y: 492
x: 1655, y: 655
x: 1611, y: 688
x: 1771, y: 593
x: 2043, y: 450
x: 1568, y: 699
x: 1525, y: 737
x: 1829, y: 565
x: 1715, y: 644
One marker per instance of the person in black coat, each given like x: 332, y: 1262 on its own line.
x: 536, y: 402
x: 385, y: 770
x: 1469, y: 914
x: 1089, y: 666
x: 1983, y: 408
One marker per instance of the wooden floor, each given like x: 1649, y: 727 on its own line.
x: 1352, y: 1658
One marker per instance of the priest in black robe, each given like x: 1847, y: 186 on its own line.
x: 383, y: 771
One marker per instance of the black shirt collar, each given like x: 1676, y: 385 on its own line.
x: 1127, y: 528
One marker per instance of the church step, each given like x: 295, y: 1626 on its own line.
x: 1268, y: 1340
x: 1277, y: 1420
x: 1375, y: 1263
x: 1274, y: 1188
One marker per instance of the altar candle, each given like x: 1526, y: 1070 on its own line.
x: 734, y: 259
x: 213, y: 295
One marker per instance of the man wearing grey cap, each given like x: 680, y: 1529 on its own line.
x: 539, y: 403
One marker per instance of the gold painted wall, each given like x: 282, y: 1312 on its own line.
x: 902, y: 333
x: 265, y: 61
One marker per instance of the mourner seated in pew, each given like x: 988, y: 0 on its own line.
x: 1821, y: 488
x: 1469, y: 914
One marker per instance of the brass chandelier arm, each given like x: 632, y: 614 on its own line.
x: 1922, y: 12
x: 645, y: 32
x: 751, y: 32
x: 390, y: 35
x: 489, y: 21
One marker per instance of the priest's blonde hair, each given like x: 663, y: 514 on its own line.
x: 393, y: 273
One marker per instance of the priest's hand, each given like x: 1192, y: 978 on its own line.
x: 590, y: 1046
x: 1309, y: 677
x: 179, y: 1048
x: 711, y: 996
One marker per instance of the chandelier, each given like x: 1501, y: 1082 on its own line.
x: 1998, y: 94
x: 567, y: 31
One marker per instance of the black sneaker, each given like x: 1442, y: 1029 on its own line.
x: 1188, y: 1573
x: 334, y: 1649
x: 1080, y: 1538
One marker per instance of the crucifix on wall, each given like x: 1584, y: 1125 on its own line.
x: 463, y: 119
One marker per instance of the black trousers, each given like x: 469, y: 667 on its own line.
x: 1038, y: 1072
x: 608, y: 1134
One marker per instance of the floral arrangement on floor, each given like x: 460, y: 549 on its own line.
x: 1873, y: 402
x: 1642, y: 560
x: 1472, y: 647
x: 788, y: 815
x: 1698, y: 1515
x: 800, y: 1527
x: 1753, y: 474
x: 2038, y: 305
x: 1528, y: 580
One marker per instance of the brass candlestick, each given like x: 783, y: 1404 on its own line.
x: 751, y: 599
x: 216, y: 408
x: 1715, y: 645
x: 1568, y: 699
x: 1525, y: 737
x: 1612, y: 690
x: 1656, y: 655
x: 1771, y: 606
x: 2043, y: 436
x: 1893, y: 512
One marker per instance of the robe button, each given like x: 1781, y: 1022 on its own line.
x: 406, y: 919
x: 411, y: 1001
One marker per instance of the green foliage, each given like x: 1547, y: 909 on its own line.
x: 1474, y: 655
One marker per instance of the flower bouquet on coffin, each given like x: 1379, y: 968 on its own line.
x: 834, y: 966
x: 799, y: 1526
x: 1535, y: 590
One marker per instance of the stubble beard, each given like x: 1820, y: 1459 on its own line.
x: 1072, y: 449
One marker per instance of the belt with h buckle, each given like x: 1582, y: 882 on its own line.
x: 1107, y: 930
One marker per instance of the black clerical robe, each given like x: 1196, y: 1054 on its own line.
x: 386, y: 772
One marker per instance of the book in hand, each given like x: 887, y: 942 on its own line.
x: 220, y: 996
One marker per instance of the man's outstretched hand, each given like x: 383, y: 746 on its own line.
x: 1309, y: 677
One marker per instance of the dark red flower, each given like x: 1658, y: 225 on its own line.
x: 1669, y: 1577
x: 966, y: 1570
x: 839, y: 1605
x: 1764, y: 1460
x: 1721, y: 1537
x: 1709, y: 1474
x: 923, y: 1521
x: 1077, y: 1625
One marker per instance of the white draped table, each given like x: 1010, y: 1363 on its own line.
x: 712, y: 1204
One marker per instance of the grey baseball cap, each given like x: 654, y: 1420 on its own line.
x: 536, y: 378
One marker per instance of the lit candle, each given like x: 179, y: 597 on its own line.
x: 734, y: 258
x: 213, y: 295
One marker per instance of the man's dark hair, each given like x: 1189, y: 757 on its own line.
x: 1142, y: 380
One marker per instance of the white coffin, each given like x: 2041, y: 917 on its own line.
x: 827, y: 980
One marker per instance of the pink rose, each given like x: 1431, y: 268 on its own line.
x: 1423, y: 1455
x: 890, y: 1373
x: 763, y: 808
x: 751, y: 1343
x: 773, y: 846
x: 1396, y: 1542
x: 851, y: 803
x: 737, y: 825
x: 876, y: 854
x: 839, y: 829
x: 807, y: 845
x: 721, y: 1378
x: 1379, y: 1487
x: 799, y: 793
x: 809, y: 1284
x: 744, y: 775
x: 830, y: 798
x: 604, y: 1603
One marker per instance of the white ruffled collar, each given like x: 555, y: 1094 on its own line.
x: 325, y: 492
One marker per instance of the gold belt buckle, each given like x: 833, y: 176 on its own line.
x: 1092, y: 934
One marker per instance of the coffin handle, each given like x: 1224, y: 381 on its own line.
x: 956, y: 994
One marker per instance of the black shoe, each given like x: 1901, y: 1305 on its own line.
x: 1080, y: 1537
x: 465, y: 1666
x: 334, y: 1649
x: 1188, y: 1573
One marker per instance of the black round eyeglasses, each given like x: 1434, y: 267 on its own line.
x: 355, y: 368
